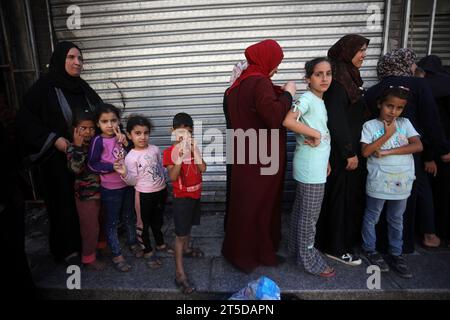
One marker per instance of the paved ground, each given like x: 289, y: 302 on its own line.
x: 217, y: 279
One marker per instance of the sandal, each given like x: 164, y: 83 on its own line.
x: 122, y: 266
x: 153, y: 262
x: 165, y: 248
x: 184, y: 286
x: 327, y: 273
x: 95, y: 266
x: 194, y: 253
x: 136, y: 249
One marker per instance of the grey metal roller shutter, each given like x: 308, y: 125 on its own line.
x: 172, y: 56
x: 418, y: 36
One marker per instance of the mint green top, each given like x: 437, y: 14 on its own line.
x: 310, y: 163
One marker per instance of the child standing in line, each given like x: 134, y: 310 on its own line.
x: 388, y: 142
x: 185, y: 165
x: 117, y: 198
x: 87, y: 188
x: 143, y: 169
x: 308, y: 119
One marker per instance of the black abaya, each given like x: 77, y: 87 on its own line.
x: 339, y: 225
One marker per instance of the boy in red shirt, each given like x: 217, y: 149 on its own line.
x: 185, y: 165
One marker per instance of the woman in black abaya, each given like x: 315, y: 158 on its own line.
x: 45, y: 125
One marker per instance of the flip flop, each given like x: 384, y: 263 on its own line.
x: 153, y: 262
x: 166, y: 249
x: 194, y: 253
x: 184, y: 286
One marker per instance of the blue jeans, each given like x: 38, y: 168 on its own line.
x: 394, y: 216
x: 116, y: 203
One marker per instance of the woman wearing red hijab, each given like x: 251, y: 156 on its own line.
x: 254, y: 190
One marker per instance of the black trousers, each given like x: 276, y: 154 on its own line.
x: 152, y: 215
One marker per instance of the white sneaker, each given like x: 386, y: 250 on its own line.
x: 347, y: 258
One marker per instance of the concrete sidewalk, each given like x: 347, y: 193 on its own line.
x: 215, y: 278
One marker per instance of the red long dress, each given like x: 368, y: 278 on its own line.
x: 253, y: 224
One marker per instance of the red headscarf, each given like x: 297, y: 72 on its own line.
x: 262, y: 58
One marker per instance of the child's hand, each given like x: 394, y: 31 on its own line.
x: 313, y: 141
x: 77, y: 137
x: 181, y: 134
x: 177, y: 154
x: 121, y: 138
x: 389, y: 129
x: 380, y: 153
x: 120, y: 168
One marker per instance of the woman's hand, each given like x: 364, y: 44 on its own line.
x: 446, y: 157
x: 290, y: 87
x: 61, y: 144
x: 431, y: 167
x: 352, y: 163
x: 328, y: 169
x: 77, y: 137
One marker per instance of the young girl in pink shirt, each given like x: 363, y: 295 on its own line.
x: 143, y: 169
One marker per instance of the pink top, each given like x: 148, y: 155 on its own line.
x: 103, y: 152
x: 145, y: 170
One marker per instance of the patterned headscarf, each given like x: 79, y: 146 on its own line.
x: 344, y: 71
x: 398, y: 62
x: 262, y: 58
x: 237, y: 70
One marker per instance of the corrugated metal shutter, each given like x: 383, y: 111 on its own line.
x: 418, y: 36
x: 169, y: 56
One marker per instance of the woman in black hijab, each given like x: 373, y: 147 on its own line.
x: 339, y: 225
x: 45, y: 127
x: 439, y: 79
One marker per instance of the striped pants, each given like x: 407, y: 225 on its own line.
x: 305, y: 213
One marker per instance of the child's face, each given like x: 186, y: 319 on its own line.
x: 87, y: 129
x: 107, y: 122
x: 391, y: 108
x: 139, y: 135
x: 320, y: 80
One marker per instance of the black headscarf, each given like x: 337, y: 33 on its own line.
x: 437, y: 76
x: 57, y: 70
x: 344, y: 71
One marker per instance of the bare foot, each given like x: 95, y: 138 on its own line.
x: 431, y: 240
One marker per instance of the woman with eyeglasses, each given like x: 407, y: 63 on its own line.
x: 396, y: 69
x: 45, y: 122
